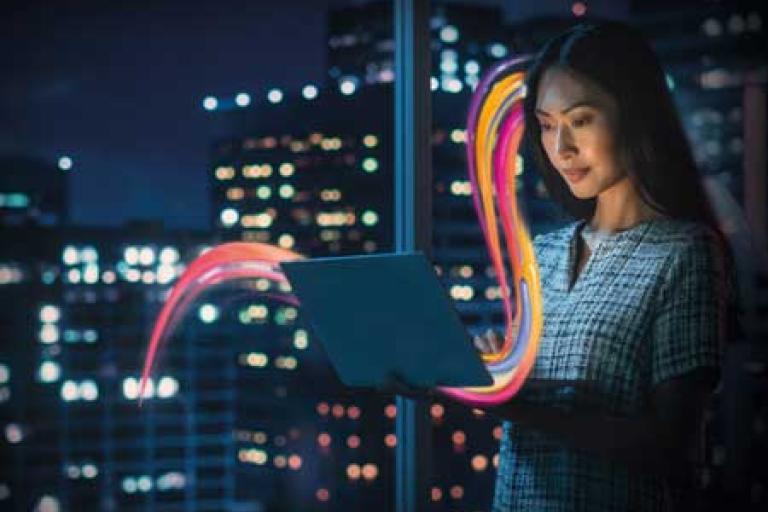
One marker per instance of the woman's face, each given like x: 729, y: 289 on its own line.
x: 577, y: 120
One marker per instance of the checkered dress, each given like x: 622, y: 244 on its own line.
x: 646, y: 307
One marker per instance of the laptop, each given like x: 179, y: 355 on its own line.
x: 383, y: 314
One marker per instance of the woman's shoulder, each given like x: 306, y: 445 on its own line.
x: 680, y: 236
x: 689, y: 249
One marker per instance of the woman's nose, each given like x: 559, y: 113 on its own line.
x: 564, y: 141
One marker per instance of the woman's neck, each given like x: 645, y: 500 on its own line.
x: 620, y: 207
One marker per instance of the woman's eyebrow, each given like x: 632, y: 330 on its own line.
x: 582, y: 103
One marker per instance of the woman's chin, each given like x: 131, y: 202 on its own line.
x: 582, y: 194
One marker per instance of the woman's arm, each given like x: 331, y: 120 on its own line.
x: 658, y: 440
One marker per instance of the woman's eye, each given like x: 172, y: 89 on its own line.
x: 545, y: 127
x: 577, y: 123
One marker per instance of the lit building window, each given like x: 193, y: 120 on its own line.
x: 89, y: 471
x: 286, y: 241
x: 369, y: 218
x: 131, y: 255
x: 264, y: 192
x: 210, y: 103
x: 294, y: 462
x: 330, y: 143
x: 144, y: 483
x: 50, y: 314
x: 89, y: 391
x: 146, y: 256
x: 257, y: 220
x: 70, y: 256
x: 479, y: 463
x: 65, y: 163
x: 471, y: 67
x: 458, y: 136
x: 89, y: 255
x: 286, y: 362
x: 235, y: 194
x: 171, y: 480
x: 579, y: 9
x: 712, y: 27
x: 497, y: 50
x: 5, y: 373
x: 461, y: 188
x: 49, y: 333
x: 370, y: 471
x: 13, y: 433
x: 434, y: 83
x: 256, y: 359
x: 353, y: 471
x: 229, y: 217
x: 9, y: 275
x: 48, y: 504
x: 14, y: 200
x: 147, y: 277
x: 449, y: 34
x: 129, y: 485
x: 370, y: 141
x: 257, y: 171
x: 167, y: 387
x: 275, y: 96
x: 49, y: 371
x: 462, y: 292
x: 286, y: 191
x: 91, y: 273
x: 309, y: 92
x: 370, y: 164
x: 224, y: 173
x: 242, y: 99
x: 208, y: 313
x: 449, y: 66
x: 348, y: 85
x: 452, y: 84
x: 169, y: 255
x: 70, y: 391
x: 286, y: 169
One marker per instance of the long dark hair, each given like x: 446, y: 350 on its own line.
x: 650, y: 140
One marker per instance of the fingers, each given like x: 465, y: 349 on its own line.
x: 494, y: 341
x: 489, y: 342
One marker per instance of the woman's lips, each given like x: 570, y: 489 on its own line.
x: 576, y: 175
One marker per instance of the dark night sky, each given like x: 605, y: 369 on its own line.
x: 119, y: 88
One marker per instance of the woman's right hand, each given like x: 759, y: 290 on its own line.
x: 491, y: 341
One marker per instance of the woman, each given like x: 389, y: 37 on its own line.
x: 634, y: 291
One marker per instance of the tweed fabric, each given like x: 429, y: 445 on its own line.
x: 645, y: 308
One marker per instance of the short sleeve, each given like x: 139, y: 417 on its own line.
x: 689, y: 321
